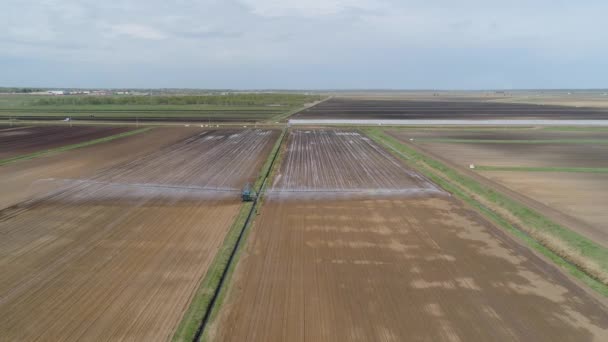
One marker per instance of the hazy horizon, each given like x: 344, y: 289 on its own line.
x: 346, y: 90
x: 312, y: 45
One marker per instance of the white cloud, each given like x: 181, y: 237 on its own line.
x: 138, y: 31
x: 279, y: 36
x: 311, y: 8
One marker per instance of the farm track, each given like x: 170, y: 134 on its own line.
x: 99, y: 261
x: 391, y: 268
x: 26, y: 140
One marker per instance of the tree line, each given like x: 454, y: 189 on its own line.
x: 20, y: 90
x: 220, y: 100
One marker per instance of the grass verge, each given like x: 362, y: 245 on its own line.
x: 283, y: 116
x: 224, y: 291
x: 575, y: 128
x: 579, y: 256
x: 542, y: 169
x: 223, y: 263
x: 190, y: 323
x: 71, y: 147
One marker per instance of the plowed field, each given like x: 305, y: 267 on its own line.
x: 514, y: 148
x: 343, y: 161
x: 396, y: 268
x: 31, y: 178
x: 353, y: 108
x: 118, y: 256
x: 581, y: 198
x: 26, y: 140
x: 539, y: 169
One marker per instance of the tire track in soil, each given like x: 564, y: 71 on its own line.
x: 99, y: 261
x: 326, y: 161
x: 389, y: 268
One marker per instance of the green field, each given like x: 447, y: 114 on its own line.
x: 232, y: 107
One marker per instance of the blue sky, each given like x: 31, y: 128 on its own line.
x: 315, y: 44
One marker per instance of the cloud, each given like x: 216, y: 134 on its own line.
x: 138, y: 31
x: 332, y: 43
x: 206, y: 33
x: 311, y: 8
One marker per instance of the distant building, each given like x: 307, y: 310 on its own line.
x: 101, y: 92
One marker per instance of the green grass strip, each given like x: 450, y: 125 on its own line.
x: 200, y: 304
x: 71, y: 147
x: 575, y: 128
x: 186, y: 331
x: 514, y: 141
x: 275, y: 149
x: 531, y: 218
x: 285, y: 115
x: 232, y: 267
x: 542, y: 169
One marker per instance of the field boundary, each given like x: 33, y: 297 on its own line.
x: 207, y: 297
x: 71, y: 147
x: 579, y: 256
x: 283, y: 116
x: 279, y: 154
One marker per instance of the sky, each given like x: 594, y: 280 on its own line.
x: 304, y: 44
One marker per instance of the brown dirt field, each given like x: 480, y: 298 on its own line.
x: 119, y: 255
x: 23, y: 180
x: 417, y: 269
x: 497, y: 134
x: 530, y: 155
x: 396, y: 268
x: 501, y: 154
x: 581, y: 196
x: 446, y: 108
x: 574, y: 200
x: 32, y: 139
x: 343, y: 161
x: 596, y: 99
